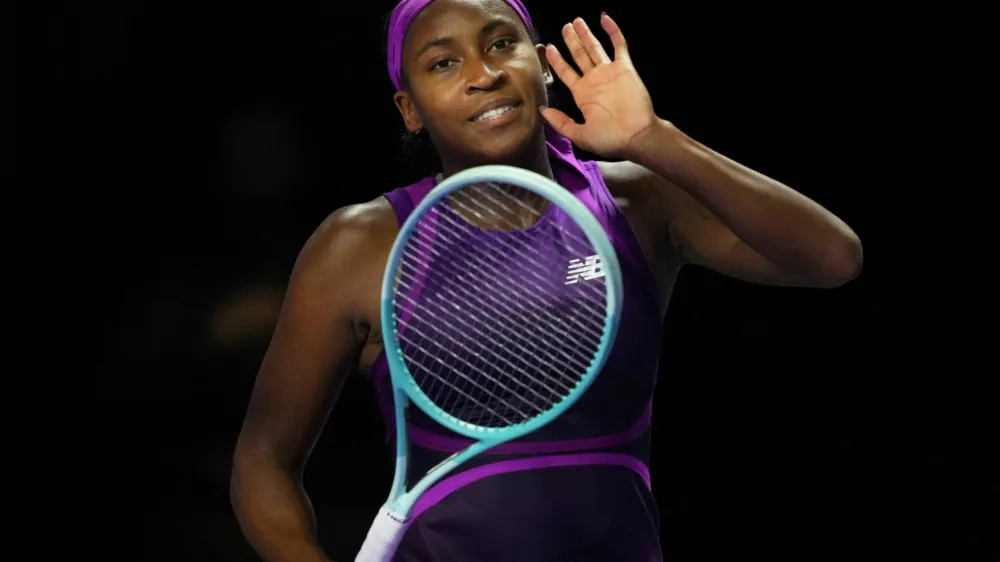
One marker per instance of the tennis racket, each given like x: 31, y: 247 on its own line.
x: 500, y: 305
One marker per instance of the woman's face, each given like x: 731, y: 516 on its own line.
x: 461, y: 58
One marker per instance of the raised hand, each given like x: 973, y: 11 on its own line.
x: 615, y: 104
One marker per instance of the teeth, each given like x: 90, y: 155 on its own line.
x: 494, y: 113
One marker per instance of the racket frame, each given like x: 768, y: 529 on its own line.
x: 405, y: 389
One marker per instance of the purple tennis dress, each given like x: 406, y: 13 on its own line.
x: 576, y: 490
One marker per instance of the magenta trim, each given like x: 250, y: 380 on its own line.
x: 436, y: 442
x: 430, y: 227
x: 445, y: 487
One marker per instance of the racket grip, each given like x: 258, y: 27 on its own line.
x: 383, y: 537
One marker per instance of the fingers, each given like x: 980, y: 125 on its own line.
x: 563, y: 70
x: 576, y: 49
x: 595, y: 52
x: 586, y: 51
x: 617, y: 38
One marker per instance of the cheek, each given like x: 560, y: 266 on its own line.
x: 430, y: 108
x: 532, y: 76
x: 441, y: 120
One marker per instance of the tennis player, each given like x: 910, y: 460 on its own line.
x: 469, y: 74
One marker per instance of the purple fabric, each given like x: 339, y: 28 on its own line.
x: 501, y: 518
x: 586, y: 182
x: 620, y: 232
x: 399, y: 23
x: 402, y: 203
x: 436, y: 442
x: 405, y: 199
x: 445, y: 487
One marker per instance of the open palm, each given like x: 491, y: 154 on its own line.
x: 612, y: 98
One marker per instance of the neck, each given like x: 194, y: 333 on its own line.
x: 535, y: 158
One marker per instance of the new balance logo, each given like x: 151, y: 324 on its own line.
x: 587, y: 269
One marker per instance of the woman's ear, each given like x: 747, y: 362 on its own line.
x: 546, y: 69
x: 411, y: 118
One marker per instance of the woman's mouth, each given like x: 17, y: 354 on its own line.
x: 500, y: 115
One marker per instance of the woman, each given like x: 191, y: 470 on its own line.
x: 468, y: 74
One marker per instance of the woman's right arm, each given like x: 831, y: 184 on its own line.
x: 314, y: 347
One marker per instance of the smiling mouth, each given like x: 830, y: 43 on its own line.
x: 495, y: 114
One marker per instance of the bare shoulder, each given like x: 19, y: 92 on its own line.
x: 636, y: 191
x: 621, y: 177
x: 645, y: 208
x: 625, y: 174
x: 639, y: 184
x: 349, y: 234
x: 663, y: 203
x: 642, y: 194
x: 346, y: 254
x: 360, y: 223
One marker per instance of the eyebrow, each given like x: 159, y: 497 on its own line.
x: 447, y: 40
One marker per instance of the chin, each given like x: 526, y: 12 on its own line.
x: 508, y: 145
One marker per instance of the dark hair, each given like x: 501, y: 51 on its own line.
x: 418, y: 148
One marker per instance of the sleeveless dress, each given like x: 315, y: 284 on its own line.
x: 577, y: 490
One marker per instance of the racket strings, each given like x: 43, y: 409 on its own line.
x: 490, y: 356
x: 537, y: 307
x: 539, y: 273
x: 535, y: 381
x: 476, y: 401
x: 495, y: 333
x: 489, y: 333
x: 595, y: 302
x: 467, y: 362
x: 566, y: 233
x: 578, y: 363
x: 579, y: 239
x: 499, y: 210
x: 487, y: 259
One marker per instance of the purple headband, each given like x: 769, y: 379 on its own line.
x: 400, y: 21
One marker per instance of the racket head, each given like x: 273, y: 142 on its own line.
x: 402, y: 378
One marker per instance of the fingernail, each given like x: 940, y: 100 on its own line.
x: 542, y: 107
x: 604, y: 15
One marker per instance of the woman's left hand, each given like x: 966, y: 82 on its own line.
x: 615, y: 104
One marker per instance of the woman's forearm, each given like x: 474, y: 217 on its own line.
x: 274, y: 511
x: 778, y: 222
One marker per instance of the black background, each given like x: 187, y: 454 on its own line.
x: 186, y: 151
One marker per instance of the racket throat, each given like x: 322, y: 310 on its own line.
x: 449, y: 464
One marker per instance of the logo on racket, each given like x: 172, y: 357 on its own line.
x: 587, y: 269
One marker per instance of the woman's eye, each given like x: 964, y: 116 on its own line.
x: 498, y: 44
x: 503, y: 43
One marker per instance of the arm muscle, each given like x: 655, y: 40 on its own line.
x: 313, y: 349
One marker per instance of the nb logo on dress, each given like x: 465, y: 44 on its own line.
x: 588, y: 269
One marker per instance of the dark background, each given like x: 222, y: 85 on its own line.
x: 188, y: 150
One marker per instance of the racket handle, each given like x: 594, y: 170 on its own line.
x: 383, y: 537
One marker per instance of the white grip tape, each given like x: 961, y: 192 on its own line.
x: 383, y: 537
